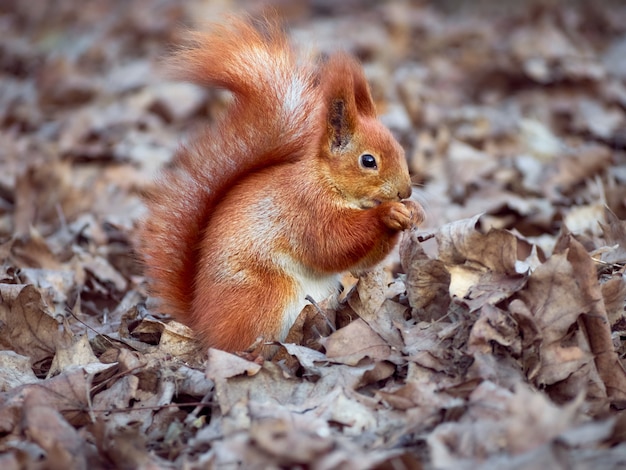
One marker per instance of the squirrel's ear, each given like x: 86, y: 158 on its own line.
x: 362, y: 94
x: 347, y: 95
x: 340, y: 123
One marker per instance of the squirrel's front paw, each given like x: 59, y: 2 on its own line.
x: 402, y: 215
x: 417, y: 212
x: 396, y: 215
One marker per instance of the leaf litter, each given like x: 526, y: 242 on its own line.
x: 493, y: 338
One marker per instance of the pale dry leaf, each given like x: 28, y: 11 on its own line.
x: 136, y: 397
x: 288, y: 443
x: 67, y: 393
x: 614, y: 232
x: 483, y: 267
x: 126, y: 447
x: 380, y: 372
x: 595, y: 118
x: 465, y: 165
x: 495, y: 326
x: 192, y: 382
x: 64, y: 446
x: 434, y: 348
x: 313, y: 323
x: 463, y: 278
x: 427, y: 280
x: 459, y: 242
x: 180, y: 341
x: 268, y: 384
x: 614, y: 295
x: 542, y: 146
x: 590, y: 432
x: 156, y: 388
x: 61, y: 84
x: 58, y: 284
x: 237, y: 448
x: 585, y: 218
x: 351, y: 377
x: 222, y: 365
x: 371, y: 293
x: 596, y: 322
x: 613, y: 57
x: 47, y: 190
x: 553, y: 297
x: 118, y: 396
x: 531, y: 338
x: 35, y: 250
x: 26, y: 327
x: 102, y: 270
x: 354, y: 342
x: 308, y: 358
x: 148, y: 330
x: 355, y: 417
x: 576, y: 166
x: 493, y: 287
x: 15, y: 370
x: 369, y: 300
x: 510, y: 422
x: 496, y: 367
x: 77, y: 353
x: 428, y: 396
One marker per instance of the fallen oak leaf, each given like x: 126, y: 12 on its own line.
x: 355, y: 342
x: 288, y: 442
x: 15, y: 370
x: 614, y: 232
x: 369, y: 300
x: 614, y: 295
x: 308, y: 358
x: 315, y: 321
x: 25, y: 326
x: 595, y: 320
x: 500, y: 421
x: 530, y: 336
x: 222, y: 365
x: 427, y: 280
x: 483, y: 268
x: 554, y: 300
x: 77, y: 353
x: 67, y: 393
x: 494, y: 325
x: 64, y: 446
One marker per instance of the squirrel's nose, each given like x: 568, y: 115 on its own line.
x: 405, y: 192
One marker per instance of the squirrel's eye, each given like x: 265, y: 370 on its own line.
x: 368, y: 161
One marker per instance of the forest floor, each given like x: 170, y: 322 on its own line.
x: 494, y: 338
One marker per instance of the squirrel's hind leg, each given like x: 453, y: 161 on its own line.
x: 235, y: 316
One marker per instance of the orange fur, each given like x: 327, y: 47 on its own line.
x: 271, y: 203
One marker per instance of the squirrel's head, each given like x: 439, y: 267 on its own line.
x: 360, y: 157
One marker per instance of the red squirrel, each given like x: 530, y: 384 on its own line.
x: 296, y: 183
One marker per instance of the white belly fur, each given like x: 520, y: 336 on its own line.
x: 315, y: 286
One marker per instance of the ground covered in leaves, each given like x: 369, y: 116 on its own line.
x: 496, y: 339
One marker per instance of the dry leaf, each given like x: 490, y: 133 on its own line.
x: 427, y: 280
x: 355, y: 342
x: 26, y: 327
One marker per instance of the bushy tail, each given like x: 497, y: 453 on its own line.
x: 271, y: 121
